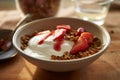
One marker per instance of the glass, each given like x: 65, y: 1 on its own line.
x: 92, y: 10
x: 39, y: 8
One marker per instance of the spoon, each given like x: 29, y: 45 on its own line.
x: 7, y: 50
x: 6, y: 53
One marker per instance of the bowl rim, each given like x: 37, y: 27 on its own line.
x: 49, y: 60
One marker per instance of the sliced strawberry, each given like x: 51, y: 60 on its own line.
x: 59, y: 34
x: 80, y: 30
x: 67, y: 27
x: 44, y: 35
x: 88, y: 36
x: 80, y: 45
x: 59, y: 38
x: 43, y: 32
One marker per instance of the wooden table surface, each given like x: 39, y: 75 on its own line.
x: 107, y: 67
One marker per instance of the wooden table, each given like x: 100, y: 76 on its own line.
x: 107, y: 67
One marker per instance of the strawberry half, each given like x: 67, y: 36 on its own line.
x: 80, y: 45
x: 67, y: 27
x: 88, y: 36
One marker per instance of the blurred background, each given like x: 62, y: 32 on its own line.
x: 7, y: 4
x: 10, y: 4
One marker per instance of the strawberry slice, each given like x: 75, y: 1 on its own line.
x: 67, y: 27
x: 80, y: 45
x: 80, y: 30
x: 88, y: 36
x: 59, y: 34
x: 44, y: 32
x: 44, y: 35
x: 59, y: 38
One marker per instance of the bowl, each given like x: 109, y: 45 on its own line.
x: 61, y: 65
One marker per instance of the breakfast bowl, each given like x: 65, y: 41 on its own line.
x: 50, y: 24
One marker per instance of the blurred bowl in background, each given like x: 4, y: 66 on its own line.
x: 38, y: 8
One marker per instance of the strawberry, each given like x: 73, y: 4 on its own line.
x: 88, y: 36
x: 44, y: 35
x: 59, y: 34
x: 43, y: 32
x: 80, y: 45
x: 80, y: 30
x: 67, y: 27
x: 59, y: 38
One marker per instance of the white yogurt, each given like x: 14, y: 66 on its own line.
x: 46, y: 49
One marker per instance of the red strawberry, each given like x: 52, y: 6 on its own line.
x: 80, y: 45
x: 59, y: 38
x: 88, y: 36
x: 59, y: 34
x: 43, y: 32
x: 44, y: 35
x: 80, y: 30
x: 67, y: 27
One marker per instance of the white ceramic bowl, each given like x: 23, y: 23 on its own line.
x: 50, y: 23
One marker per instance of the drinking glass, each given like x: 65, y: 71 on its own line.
x: 92, y: 10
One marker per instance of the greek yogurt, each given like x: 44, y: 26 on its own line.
x: 45, y: 49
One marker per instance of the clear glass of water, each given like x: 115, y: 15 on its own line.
x: 92, y: 10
